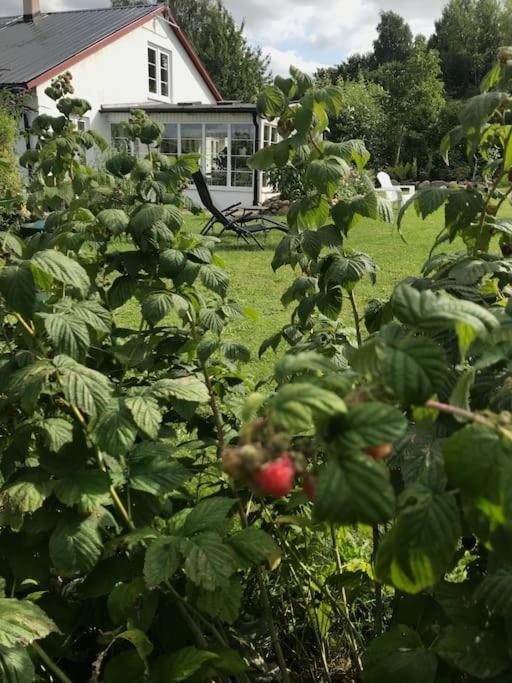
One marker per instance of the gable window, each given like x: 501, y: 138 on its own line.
x: 159, y: 71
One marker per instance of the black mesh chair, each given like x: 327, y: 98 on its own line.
x: 245, y: 222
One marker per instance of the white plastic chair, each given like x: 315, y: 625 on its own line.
x: 394, y: 193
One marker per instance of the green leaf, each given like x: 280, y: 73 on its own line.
x: 162, y: 561
x: 222, y: 604
x: 132, y: 603
x: 18, y: 288
x: 263, y: 160
x: 27, y: 493
x: 462, y: 208
x: 58, y: 432
x: 271, y: 101
x: 425, y: 310
x: 326, y: 174
x: 114, y: 431
x: 215, y: 279
x: 68, y: 335
x: 208, y: 514
x: 211, y: 320
x: 122, y: 290
x: 140, y: 642
x: 75, y: 545
x: 308, y: 213
x: 397, y: 656
x: 294, y: 406
x: 420, y: 547
x: 114, y: 220
x: 127, y: 667
x: 209, y: 562
x: 450, y: 141
x: 416, y: 368
x: 495, y: 592
x: 27, y: 384
x: 366, y: 425
x: 478, y: 109
x: 172, y: 262
x: 479, y: 653
x: 183, y: 664
x: 146, y: 414
x: 235, y: 352
x: 190, y: 389
x: 16, y: 665
x: 93, y: 314
x: 156, y: 306
x: 256, y: 546
x: 62, y: 268
x: 354, y: 489
x: 157, y: 476
x: 22, y: 622
x: 426, y: 202
x: 84, y: 388
x: 88, y: 489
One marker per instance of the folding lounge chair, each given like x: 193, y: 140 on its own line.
x: 235, y: 218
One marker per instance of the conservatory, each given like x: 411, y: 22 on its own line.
x: 225, y: 135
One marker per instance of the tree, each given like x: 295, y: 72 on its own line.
x: 238, y: 69
x: 467, y: 36
x: 394, y: 42
x: 416, y: 99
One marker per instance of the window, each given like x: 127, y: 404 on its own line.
x: 217, y: 154
x: 192, y: 138
x: 159, y: 72
x: 82, y: 124
x: 169, y: 144
x: 242, y: 148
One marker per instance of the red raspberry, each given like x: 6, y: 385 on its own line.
x: 276, y: 477
x: 381, y: 451
x: 69, y: 77
x: 309, y: 486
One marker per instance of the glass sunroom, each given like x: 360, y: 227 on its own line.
x: 225, y: 135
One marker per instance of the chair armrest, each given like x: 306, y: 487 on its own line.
x: 230, y: 208
x: 393, y: 189
x: 410, y: 188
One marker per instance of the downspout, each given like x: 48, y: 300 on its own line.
x: 256, y: 188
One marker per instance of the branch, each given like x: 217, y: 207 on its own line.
x: 469, y: 416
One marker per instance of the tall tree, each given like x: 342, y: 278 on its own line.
x: 415, y: 102
x: 394, y: 41
x: 467, y: 36
x: 238, y: 69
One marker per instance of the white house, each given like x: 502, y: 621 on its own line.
x: 137, y: 58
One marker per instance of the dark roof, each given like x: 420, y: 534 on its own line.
x: 232, y: 107
x: 30, y: 49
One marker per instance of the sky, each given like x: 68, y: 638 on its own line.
x: 305, y: 33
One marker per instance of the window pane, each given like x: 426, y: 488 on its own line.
x: 191, y: 130
x: 242, y: 179
x: 274, y: 135
x: 216, y: 157
x: 151, y: 56
x: 170, y: 130
x: 169, y: 147
x: 164, y: 88
x: 164, y: 61
x: 152, y: 71
x: 189, y: 146
x: 152, y: 85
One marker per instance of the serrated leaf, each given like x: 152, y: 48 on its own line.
x: 157, y: 476
x: 420, y: 547
x: 146, y: 414
x: 209, y: 562
x: 211, y: 320
x: 27, y: 493
x: 58, y: 432
x: 162, y: 561
x: 93, y: 314
x: 495, y: 592
x: 75, y: 545
x: 190, y: 389
x: 84, y: 388
x: 294, y: 406
x: 222, y: 604
x: 235, y: 352
x: 369, y: 424
x: 27, y: 383
x: 16, y: 665
x: 215, y: 279
x: 114, y: 220
x: 87, y: 489
x: 156, y: 306
x: 113, y: 430
x: 69, y: 335
x: 183, y: 664
x: 62, y: 268
x: 477, y: 652
x: 18, y: 288
x: 122, y: 290
x: 271, y: 101
x: 399, y: 655
x: 22, y: 622
x: 256, y: 546
x: 354, y: 489
x: 208, y: 514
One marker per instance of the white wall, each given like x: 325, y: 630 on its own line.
x: 118, y: 74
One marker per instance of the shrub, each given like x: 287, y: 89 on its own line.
x: 10, y: 179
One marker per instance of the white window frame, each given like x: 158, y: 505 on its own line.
x: 159, y: 51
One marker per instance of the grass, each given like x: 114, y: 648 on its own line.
x: 255, y: 285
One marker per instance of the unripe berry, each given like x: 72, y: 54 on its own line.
x: 276, y: 477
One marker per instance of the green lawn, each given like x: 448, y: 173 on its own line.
x: 254, y: 284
